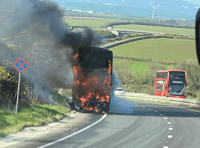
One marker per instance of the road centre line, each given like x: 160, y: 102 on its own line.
x: 169, y: 136
x: 170, y: 129
x: 66, y: 137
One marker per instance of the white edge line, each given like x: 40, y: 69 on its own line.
x: 64, y: 138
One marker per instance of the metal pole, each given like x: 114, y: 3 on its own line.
x: 18, y: 93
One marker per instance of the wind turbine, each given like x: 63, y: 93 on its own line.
x: 153, y: 10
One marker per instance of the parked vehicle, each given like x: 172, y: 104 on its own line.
x: 120, y: 92
x: 171, y: 83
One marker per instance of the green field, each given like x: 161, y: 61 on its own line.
x: 139, y: 67
x: 158, y: 49
x: 169, y: 30
x: 90, y: 23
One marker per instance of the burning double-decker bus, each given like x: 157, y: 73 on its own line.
x: 92, y: 79
x: 171, y: 83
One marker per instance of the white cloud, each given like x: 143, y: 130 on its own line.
x: 184, y: 6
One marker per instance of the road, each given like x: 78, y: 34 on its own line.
x: 133, y: 124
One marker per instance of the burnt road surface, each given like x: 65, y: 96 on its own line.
x: 134, y: 124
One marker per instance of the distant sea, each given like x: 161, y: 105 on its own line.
x: 115, y: 9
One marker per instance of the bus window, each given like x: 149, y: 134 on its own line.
x: 162, y: 75
x: 159, y: 88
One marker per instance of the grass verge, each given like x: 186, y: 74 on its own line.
x: 163, y: 102
x: 29, y: 116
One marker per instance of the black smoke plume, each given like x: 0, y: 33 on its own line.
x: 39, y: 34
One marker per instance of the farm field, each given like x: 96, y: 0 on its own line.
x: 136, y: 67
x: 90, y: 23
x: 171, y: 50
x: 169, y: 30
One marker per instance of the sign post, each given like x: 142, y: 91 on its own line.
x: 18, y: 93
x: 21, y: 65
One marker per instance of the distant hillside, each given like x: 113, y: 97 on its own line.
x: 167, y: 8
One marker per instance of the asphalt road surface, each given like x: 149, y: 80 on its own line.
x: 134, y: 124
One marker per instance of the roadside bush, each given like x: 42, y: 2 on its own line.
x: 126, y: 36
x: 8, y: 89
x: 105, y: 33
x: 150, y: 73
x: 137, y: 83
x: 118, y: 38
x: 148, y: 89
x: 8, y: 85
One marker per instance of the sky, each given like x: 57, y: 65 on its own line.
x: 194, y: 1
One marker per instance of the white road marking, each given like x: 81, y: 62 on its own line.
x: 165, y: 147
x: 166, y: 118
x: 155, y: 111
x: 64, y: 138
x: 169, y: 136
x: 161, y: 114
x: 170, y: 129
x: 168, y: 122
x: 149, y: 109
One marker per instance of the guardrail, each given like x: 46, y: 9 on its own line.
x: 191, y: 102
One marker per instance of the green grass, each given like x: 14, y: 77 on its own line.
x: 158, y: 49
x: 29, y: 116
x: 90, y: 23
x: 136, y: 67
x: 169, y: 30
x: 139, y: 67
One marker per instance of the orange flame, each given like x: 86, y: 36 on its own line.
x: 90, y: 87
